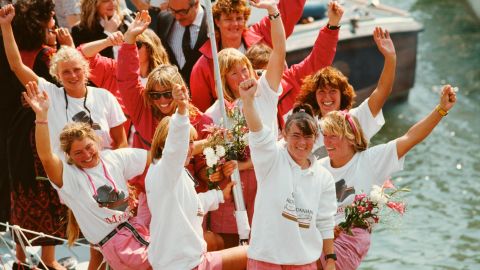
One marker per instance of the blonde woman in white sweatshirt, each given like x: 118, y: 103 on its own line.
x: 295, y: 205
x: 177, y: 210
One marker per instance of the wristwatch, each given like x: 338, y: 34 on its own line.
x: 332, y: 256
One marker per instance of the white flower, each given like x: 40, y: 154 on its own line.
x: 245, y: 138
x: 212, y: 160
x: 220, y: 150
x: 208, y: 152
x: 377, y: 196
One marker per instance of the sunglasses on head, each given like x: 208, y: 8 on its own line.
x: 157, y: 95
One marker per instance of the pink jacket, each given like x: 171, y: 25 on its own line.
x: 321, y: 56
x: 202, y: 82
x: 141, y: 114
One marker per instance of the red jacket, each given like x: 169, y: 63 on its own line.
x: 131, y: 89
x: 202, y: 81
x: 321, y: 56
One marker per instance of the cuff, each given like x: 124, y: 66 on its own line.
x: 328, y: 234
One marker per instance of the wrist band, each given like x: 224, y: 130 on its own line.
x: 441, y: 111
x: 332, y: 27
x: 41, y: 122
x: 273, y: 16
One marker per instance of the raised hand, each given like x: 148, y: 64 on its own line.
x: 180, y: 95
x: 264, y: 4
x: 335, y: 13
x: 36, y: 99
x: 115, y: 39
x: 111, y: 25
x: 448, y: 97
x: 384, y: 42
x: 64, y: 37
x: 6, y: 14
x: 247, y: 89
x: 141, y: 22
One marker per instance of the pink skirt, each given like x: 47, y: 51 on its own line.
x: 259, y: 265
x: 124, y: 252
x: 350, y: 250
x: 211, y: 261
x: 223, y: 219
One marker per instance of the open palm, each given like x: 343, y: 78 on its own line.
x: 384, y: 42
x: 141, y: 22
x: 262, y: 4
x: 36, y: 99
x: 6, y: 14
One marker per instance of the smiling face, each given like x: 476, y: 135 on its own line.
x: 51, y: 38
x: 162, y: 99
x: 237, y: 74
x: 231, y: 25
x: 71, y: 74
x: 328, y: 99
x: 299, y: 145
x: 84, y: 153
x: 339, y: 149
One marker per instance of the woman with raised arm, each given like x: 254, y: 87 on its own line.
x: 177, y: 210
x: 295, y: 204
x: 356, y: 169
x: 234, y: 69
x: 93, y: 184
x: 328, y: 90
x: 230, y: 18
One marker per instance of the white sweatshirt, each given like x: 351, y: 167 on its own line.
x: 294, y: 208
x: 176, y: 234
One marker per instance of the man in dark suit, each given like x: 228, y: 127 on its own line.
x: 183, y: 30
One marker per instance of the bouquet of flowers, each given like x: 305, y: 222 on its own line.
x: 365, y: 210
x: 226, y: 144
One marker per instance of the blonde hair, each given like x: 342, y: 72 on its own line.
x: 160, y: 137
x: 328, y: 76
x: 337, y: 123
x: 89, y: 13
x: 157, y: 54
x: 227, y: 59
x: 67, y: 53
x: 73, y: 230
x: 75, y: 131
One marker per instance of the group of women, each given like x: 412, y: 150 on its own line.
x: 294, y: 199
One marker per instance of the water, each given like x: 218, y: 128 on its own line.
x: 441, y: 229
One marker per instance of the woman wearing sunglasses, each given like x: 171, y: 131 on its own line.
x: 148, y: 105
x: 93, y: 184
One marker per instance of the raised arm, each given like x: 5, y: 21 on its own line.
x: 385, y: 83
x: 422, y: 128
x: 93, y: 48
x: 51, y: 163
x: 23, y: 73
x: 247, y: 91
x: 277, y: 58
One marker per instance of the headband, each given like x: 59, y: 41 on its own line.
x: 350, y: 120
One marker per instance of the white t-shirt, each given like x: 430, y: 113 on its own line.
x: 105, y: 112
x: 294, y: 208
x: 367, y: 168
x: 370, y: 126
x: 77, y: 191
x: 176, y: 233
x: 266, y: 101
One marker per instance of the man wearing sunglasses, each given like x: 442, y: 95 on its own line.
x: 182, y: 27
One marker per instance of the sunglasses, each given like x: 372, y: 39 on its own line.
x: 157, y: 95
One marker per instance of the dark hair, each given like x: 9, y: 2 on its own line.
x: 30, y: 22
x: 259, y: 55
x: 328, y: 76
x: 303, y: 118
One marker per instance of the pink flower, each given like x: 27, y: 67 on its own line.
x: 361, y: 209
x: 388, y: 184
x: 360, y: 197
x: 397, y: 206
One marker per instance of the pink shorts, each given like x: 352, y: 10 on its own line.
x: 124, y: 252
x: 211, y: 261
x: 350, y: 250
x: 259, y: 265
x: 223, y: 219
x: 143, y: 212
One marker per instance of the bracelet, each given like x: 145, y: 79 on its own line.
x: 332, y: 27
x: 441, y: 111
x: 41, y: 122
x: 332, y: 256
x: 273, y: 16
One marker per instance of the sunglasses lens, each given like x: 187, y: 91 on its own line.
x: 139, y: 44
x: 158, y: 95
